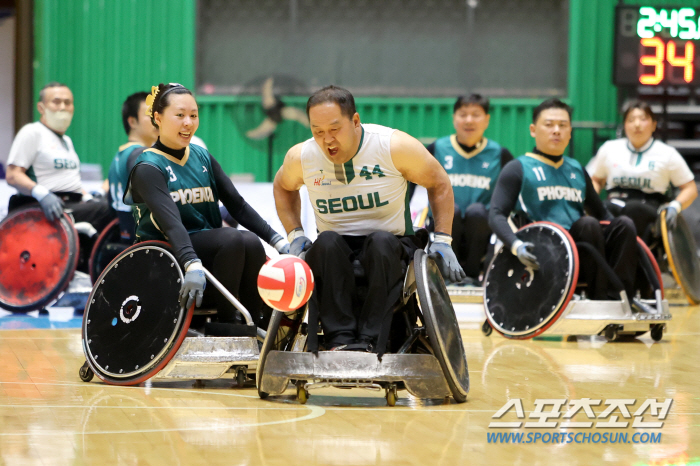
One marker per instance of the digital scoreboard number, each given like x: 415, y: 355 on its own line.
x: 657, y: 46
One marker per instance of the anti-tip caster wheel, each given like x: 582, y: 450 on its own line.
x: 241, y: 376
x: 486, y: 329
x: 611, y: 332
x: 302, y: 393
x: 391, y: 396
x: 86, y: 374
x: 657, y: 332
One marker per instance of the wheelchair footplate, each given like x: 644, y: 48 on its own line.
x: 421, y: 374
x: 212, y: 357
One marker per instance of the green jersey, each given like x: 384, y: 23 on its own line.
x: 118, y: 176
x: 192, y: 187
x: 552, y: 192
x: 472, y: 174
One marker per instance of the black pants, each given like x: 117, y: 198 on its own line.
x: 617, y: 243
x: 642, y: 212
x: 470, y: 237
x: 234, y: 257
x: 97, y: 212
x: 384, y: 258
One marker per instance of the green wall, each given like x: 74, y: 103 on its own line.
x: 84, y: 43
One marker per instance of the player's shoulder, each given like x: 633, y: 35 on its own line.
x: 572, y: 162
x: 614, y: 146
x: 199, y: 152
x: 379, y: 130
x: 31, y: 130
x: 493, y: 145
x: 664, y: 149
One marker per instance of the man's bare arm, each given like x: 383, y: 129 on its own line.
x: 17, y: 178
x: 288, y: 181
x: 416, y: 164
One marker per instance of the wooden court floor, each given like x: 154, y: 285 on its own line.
x: 49, y: 417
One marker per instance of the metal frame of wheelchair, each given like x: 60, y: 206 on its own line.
x: 439, y: 372
x: 576, y: 316
x: 181, y: 357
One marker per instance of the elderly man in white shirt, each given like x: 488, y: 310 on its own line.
x: 43, y: 165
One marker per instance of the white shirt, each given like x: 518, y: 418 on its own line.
x: 50, y: 159
x: 365, y: 194
x: 651, y: 169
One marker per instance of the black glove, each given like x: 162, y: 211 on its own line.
x: 52, y: 206
x: 441, y: 251
x: 193, y: 286
x: 298, y: 242
x: 672, y: 209
x: 524, y: 253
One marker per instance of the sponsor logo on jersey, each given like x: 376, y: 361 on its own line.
x: 471, y: 181
x: 555, y: 193
x: 632, y: 182
x: 349, y: 204
x: 192, y: 196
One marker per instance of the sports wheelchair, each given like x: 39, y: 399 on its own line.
x: 426, y: 355
x: 39, y: 259
x: 521, y: 303
x: 134, y: 328
x: 677, y: 253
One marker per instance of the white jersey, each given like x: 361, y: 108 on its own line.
x: 651, y: 169
x: 361, y: 196
x: 50, y: 159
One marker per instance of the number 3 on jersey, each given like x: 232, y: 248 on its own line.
x: 539, y: 173
x: 172, y: 174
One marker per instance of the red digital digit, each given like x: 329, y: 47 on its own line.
x: 656, y: 60
x: 685, y: 62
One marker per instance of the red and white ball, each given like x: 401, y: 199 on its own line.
x: 285, y: 283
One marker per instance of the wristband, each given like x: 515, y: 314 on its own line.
x: 515, y: 246
x: 295, y: 233
x: 39, y: 192
x: 194, y: 264
x: 443, y: 238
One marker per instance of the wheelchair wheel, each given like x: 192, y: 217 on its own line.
x: 37, y: 259
x: 133, y: 324
x: 522, y: 303
x: 280, y: 336
x: 681, y: 252
x: 107, y: 246
x: 441, y: 324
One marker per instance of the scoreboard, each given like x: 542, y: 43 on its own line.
x: 657, y: 46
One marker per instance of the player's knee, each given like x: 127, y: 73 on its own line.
x: 625, y: 225
x: 381, y: 240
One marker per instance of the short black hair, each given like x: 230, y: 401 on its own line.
x: 641, y: 105
x: 161, y: 102
x: 42, y: 92
x: 336, y: 95
x: 550, y: 103
x: 130, y: 108
x: 473, y: 99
